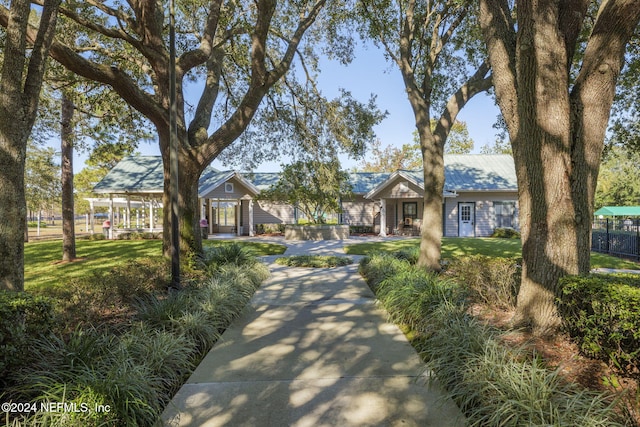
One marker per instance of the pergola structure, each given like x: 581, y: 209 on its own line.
x: 120, y: 210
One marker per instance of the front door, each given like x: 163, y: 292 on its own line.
x: 466, y: 219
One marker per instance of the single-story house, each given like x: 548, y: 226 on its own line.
x: 480, y: 195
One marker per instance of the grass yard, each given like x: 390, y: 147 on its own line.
x: 44, y: 270
x: 43, y: 266
x: 453, y: 247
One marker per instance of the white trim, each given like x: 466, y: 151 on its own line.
x: 252, y: 188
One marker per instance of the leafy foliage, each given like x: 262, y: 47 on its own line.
x: 42, y: 178
x: 497, y: 385
x: 602, y: 313
x: 506, y: 233
x: 137, y: 367
x: 315, y: 187
x: 616, y: 185
x: 25, y: 317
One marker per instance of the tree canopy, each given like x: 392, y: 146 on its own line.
x: 392, y: 158
x: 618, y: 181
x: 314, y: 187
x: 235, y: 55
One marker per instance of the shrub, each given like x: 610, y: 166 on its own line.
x: 270, y: 228
x: 491, y: 280
x: 313, y: 261
x: 506, y: 233
x: 602, y: 313
x: 23, y: 318
x: 34, y: 224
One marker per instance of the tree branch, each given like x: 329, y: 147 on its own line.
x: 476, y: 84
x: 499, y: 33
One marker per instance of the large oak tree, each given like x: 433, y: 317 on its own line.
x: 555, y: 67
x: 23, y: 66
x: 236, y: 52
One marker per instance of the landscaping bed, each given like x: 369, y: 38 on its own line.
x: 115, y: 344
x: 459, y: 322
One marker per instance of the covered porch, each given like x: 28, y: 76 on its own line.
x: 227, y: 204
x: 400, y: 200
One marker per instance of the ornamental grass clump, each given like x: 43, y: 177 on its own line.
x: 497, y: 385
x: 380, y: 266
x: 493, y: 281
x: 225, y: 254
x: 412, y: 293
x: 493, y: 383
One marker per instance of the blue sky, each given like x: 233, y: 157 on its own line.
x: 371, y: 73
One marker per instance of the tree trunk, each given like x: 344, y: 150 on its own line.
x: 68, y: 214
x: 188, y: 213
x: 431, y: 228
x: 13, y: 207
x: 20, y: 84
x: 556, y: 133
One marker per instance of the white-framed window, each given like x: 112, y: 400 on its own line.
x: 505, y: 213
x: 228, y: 187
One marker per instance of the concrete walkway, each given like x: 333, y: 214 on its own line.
x: 311, y: 349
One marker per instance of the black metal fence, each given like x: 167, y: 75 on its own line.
x: 619, y: 237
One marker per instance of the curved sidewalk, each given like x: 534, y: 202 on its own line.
x: 311, y: 349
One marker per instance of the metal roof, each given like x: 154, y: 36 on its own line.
x: 133, y: 174
x: 463, y: 172
x: 480, y: 172
x: 618, y: 211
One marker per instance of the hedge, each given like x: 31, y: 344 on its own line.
x: 23, y: 318
x: 602, y: 313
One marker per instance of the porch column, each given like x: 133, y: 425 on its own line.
x: 218, y: 214
x: 383, y: 218
x: 238, y: 213
x: 111, y: 218
x: 251, y: 217
x: 151, y: 224
x: 128, y: 213
x: 211, y: 219
x: 91, y: 221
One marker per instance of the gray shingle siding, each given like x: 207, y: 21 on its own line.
x: 485, y: 222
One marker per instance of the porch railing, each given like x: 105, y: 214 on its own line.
x: 618, y: 237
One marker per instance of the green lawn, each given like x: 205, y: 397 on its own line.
x: 43, y: 268
x: 459, y: 246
